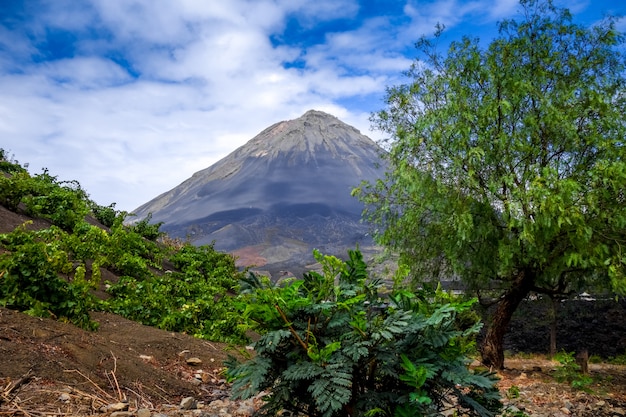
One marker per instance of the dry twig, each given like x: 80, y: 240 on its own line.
x: 117, y: 386
x: 12, y: 387
x: 106, y: 394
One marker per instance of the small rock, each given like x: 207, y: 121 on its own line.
x: 511, y: 409
x: 184, y: 354
x: 169, y: 407
x: 64, y: 397
x: 143, y: 412
x: 194, y: 361
x: 146, y: 358
x: 245, y: 411
x: 122, y: 414
x: 114, y: 407
x: 188, y: 403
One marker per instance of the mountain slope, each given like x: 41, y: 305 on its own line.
x: 285, y: 192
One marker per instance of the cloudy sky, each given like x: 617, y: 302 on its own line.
x: 131, y: 97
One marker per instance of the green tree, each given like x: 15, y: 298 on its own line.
x: 507, y: 163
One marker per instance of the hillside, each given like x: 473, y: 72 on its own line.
x: 141, y: 363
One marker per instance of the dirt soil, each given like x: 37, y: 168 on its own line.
x: 76, y: 372
x: 123, y: 359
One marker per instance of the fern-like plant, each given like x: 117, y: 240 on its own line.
x: 331, y: 346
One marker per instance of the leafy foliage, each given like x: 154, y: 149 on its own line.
x: 53, y: 272
x: 147, y: 230
x: 105, y: 214
x: 195, y: 300
x: 32, y: 277
x: 330, y: 346
x: 569, y: 371
x: 64, y: 203
x: 8, y: 164
x: 508, y: 166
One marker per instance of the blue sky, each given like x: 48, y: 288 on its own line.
x: 131, y: 97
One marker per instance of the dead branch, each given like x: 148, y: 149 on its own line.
x: 106, y: 394
x: 12, y: 387
x: 117, y: 386
x: 141, y: 397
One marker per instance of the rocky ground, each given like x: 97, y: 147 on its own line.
x: 529, y: 386
x: 49, y: 368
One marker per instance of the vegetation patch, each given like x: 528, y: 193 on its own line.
x: 331, y: 346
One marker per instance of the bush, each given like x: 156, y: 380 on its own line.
x: 105, y: 214
x: 8, y: 164
x: 64, y: 203
x: 194, y: 301
x: 31, y: 277
x: 330, y: 346
x: 569, y: 371
x: 129, y: 253
x: 147, y: 230
x: 13, y: 188
x: 52, y: 272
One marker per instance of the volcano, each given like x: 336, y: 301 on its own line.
x: 279, y: 196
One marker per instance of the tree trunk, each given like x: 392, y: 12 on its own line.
x: 492, y: 350
x: 553, y: 325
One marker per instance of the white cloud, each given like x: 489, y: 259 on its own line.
x: 84, y: 72
x: 150, y: 92
x: 209, y: 78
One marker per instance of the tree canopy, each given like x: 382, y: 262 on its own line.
x: 507, y: 163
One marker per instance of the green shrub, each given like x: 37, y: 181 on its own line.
x: 195, y: 300
x: 46, y: 272
x: 147, y: 230
x: 64, y: 203
x: 330, y: 346
x: 8, y: 164
x: 105, y: 214
x: 31, y: 277
x: 513, y: 392
x: 129, y: 253
x: 618, y: 360
x: 13, y: 188
x: 570, y: 372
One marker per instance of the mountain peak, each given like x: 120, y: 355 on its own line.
x: 309, y: 134
x: 288, y: 190
x: 317, y: 114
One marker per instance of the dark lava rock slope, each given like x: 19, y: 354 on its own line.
x: 285, y: 192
